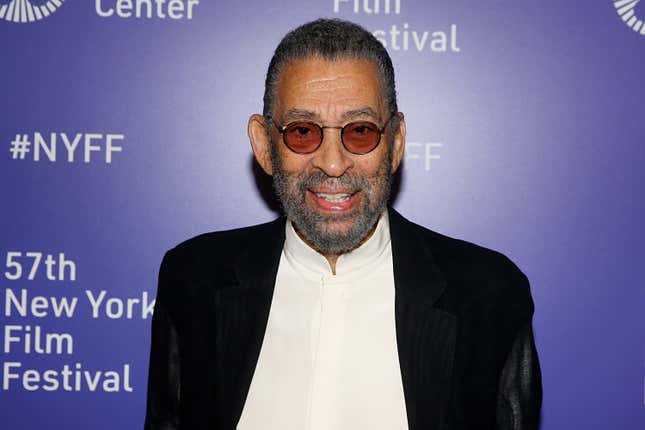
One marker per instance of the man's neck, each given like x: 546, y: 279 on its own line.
x: 333, y: 258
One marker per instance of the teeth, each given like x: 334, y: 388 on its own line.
x: 335, y: 198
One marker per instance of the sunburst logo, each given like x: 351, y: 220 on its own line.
x: 625, y: 9
x: 28, y: 10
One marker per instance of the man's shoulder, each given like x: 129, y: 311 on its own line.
x: 220, y: 249
x: 452, y: 253
x: 470, y: 270
x: 468, y: 258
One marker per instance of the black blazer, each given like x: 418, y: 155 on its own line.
x: 463, y: 325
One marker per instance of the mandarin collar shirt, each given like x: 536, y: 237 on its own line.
x: 329, y: 357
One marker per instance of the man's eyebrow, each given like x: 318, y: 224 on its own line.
x: 364, y: 111
x: 293, y: 114
x: 300, y: 114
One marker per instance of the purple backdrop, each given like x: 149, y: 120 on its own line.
x: 526, y: 134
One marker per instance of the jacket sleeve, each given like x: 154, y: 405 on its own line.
x: 520, y: 385
x: 162, y: 410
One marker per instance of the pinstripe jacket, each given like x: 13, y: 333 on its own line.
x: 463, y: 318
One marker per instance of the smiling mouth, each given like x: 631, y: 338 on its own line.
x: 334, y: 202
x: 334, y: 197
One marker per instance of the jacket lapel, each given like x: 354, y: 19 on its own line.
x: 241, y: 317
x: 425, y: 335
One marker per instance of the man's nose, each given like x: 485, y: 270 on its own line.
x: 332, y: 157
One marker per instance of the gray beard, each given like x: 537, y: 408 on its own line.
x: 291, y: 190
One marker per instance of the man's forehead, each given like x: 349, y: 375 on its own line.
x: 317, y: 72
x: 347, y: 86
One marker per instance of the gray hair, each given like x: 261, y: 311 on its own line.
x: 330, y: 39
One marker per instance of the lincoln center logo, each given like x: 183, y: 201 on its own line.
x: 26, y: 11
x: 625, y: 9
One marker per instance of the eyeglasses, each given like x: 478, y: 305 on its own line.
x: 305, y: 137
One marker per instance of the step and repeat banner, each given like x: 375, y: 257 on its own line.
x: 123, y: 132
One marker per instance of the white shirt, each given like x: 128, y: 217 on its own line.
x: 329, y: 357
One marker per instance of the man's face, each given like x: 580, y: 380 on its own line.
x: 332, y: 196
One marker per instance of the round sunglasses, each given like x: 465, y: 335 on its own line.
x: 305, y: 137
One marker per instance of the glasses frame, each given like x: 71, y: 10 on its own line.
x: 281, y: 129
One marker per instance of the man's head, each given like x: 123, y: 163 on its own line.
x: 330, y: 73
x: 330, y: 39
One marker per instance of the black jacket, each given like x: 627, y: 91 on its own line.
x: 463, y: 324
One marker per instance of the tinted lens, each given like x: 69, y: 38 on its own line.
x: 361, y: 137
x: 302, y: 137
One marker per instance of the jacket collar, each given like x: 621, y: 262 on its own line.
x: 256, y: 268
x: 416, y: 275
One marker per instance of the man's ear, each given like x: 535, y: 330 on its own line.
x: 398, y: 142
x: 260, y: 142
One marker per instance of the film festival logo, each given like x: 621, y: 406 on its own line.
x: 25, y: 11
x: 625, y: 9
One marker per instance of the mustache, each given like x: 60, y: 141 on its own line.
x: 319, y: 178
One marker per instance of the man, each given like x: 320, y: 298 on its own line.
x: 343, y: 314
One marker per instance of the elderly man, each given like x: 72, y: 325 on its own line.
x: 342, y: 314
